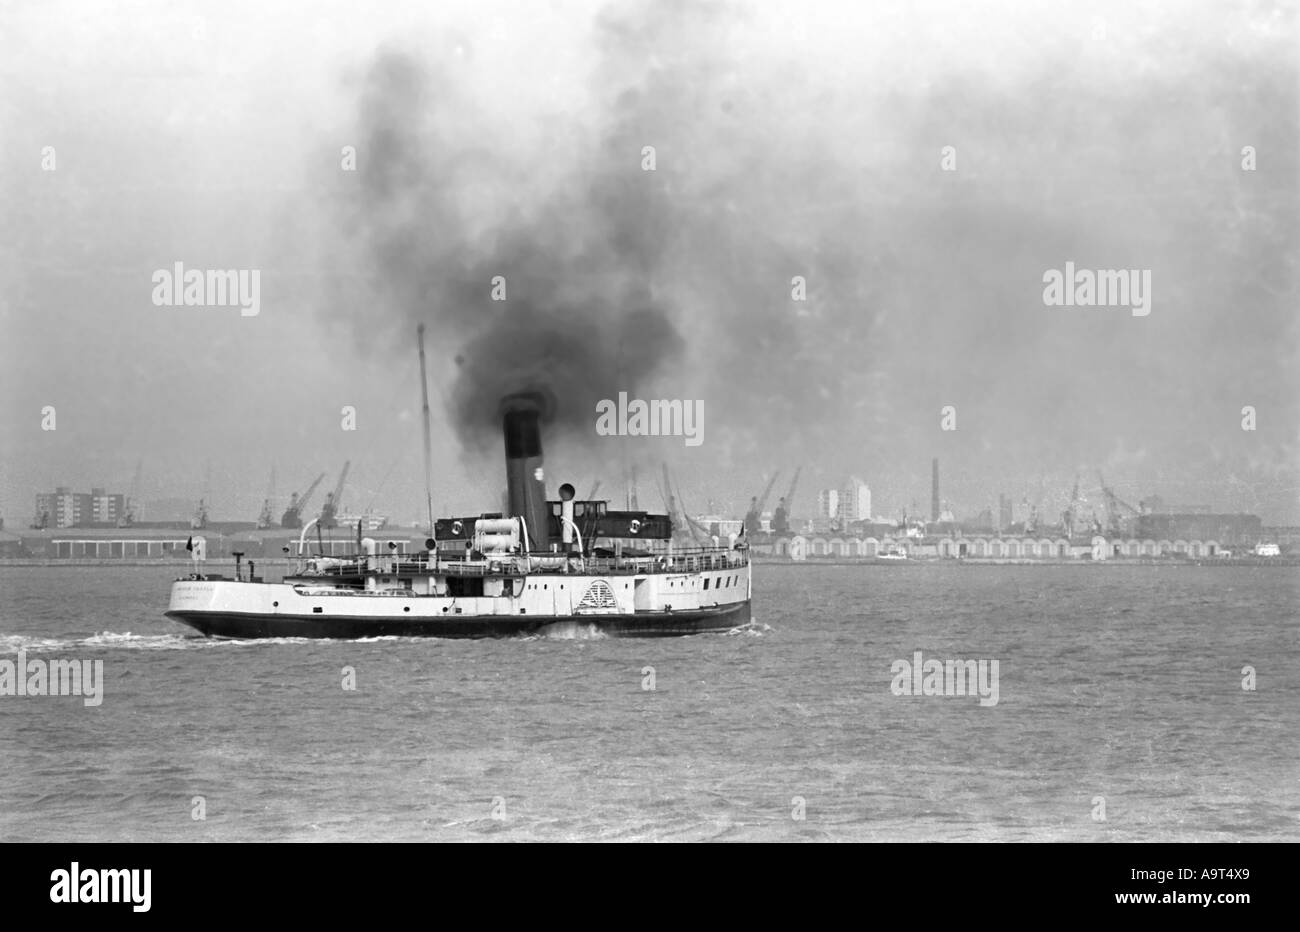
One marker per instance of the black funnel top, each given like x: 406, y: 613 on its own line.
x: 523, y: 434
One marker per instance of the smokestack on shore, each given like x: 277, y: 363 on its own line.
x: 525, y: 483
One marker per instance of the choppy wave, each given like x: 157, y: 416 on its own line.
x: 751, y: 629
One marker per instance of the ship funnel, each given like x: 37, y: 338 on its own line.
x: 521, y: 417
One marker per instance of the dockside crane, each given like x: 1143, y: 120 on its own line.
x: 1068, y: 516
x: 1114, y: 504
x: 1072, y: 517
x: 333, y: 500
x: 292, y: 517
x: 132, y: 509
x: 267, y: 518
x: 754, y: 516
x: 785, y: 508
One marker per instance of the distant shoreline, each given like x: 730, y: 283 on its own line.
x: 1034, y: 561
x: 83, y: 562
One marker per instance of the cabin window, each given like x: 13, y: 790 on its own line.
x: 706, y: 585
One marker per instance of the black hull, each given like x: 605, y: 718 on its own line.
x: 343, y: 627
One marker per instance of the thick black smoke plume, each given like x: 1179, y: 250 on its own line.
x: 924, y: 287
x: 577, y: 260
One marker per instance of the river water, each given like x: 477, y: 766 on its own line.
x: 1120, y: 716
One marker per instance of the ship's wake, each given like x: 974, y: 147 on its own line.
x: 113, y: 640
x: 570, y: 631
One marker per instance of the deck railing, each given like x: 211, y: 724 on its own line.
x: 684, y: 560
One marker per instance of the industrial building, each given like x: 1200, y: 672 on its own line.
x: 828, y: 503
x: 1009, y: 549
x: 854, y: 501
x: 1235, y: 530
x: 65, y: 508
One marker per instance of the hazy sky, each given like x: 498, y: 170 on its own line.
x: 791, y: 139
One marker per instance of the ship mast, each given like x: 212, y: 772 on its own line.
x: 428, y: 448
